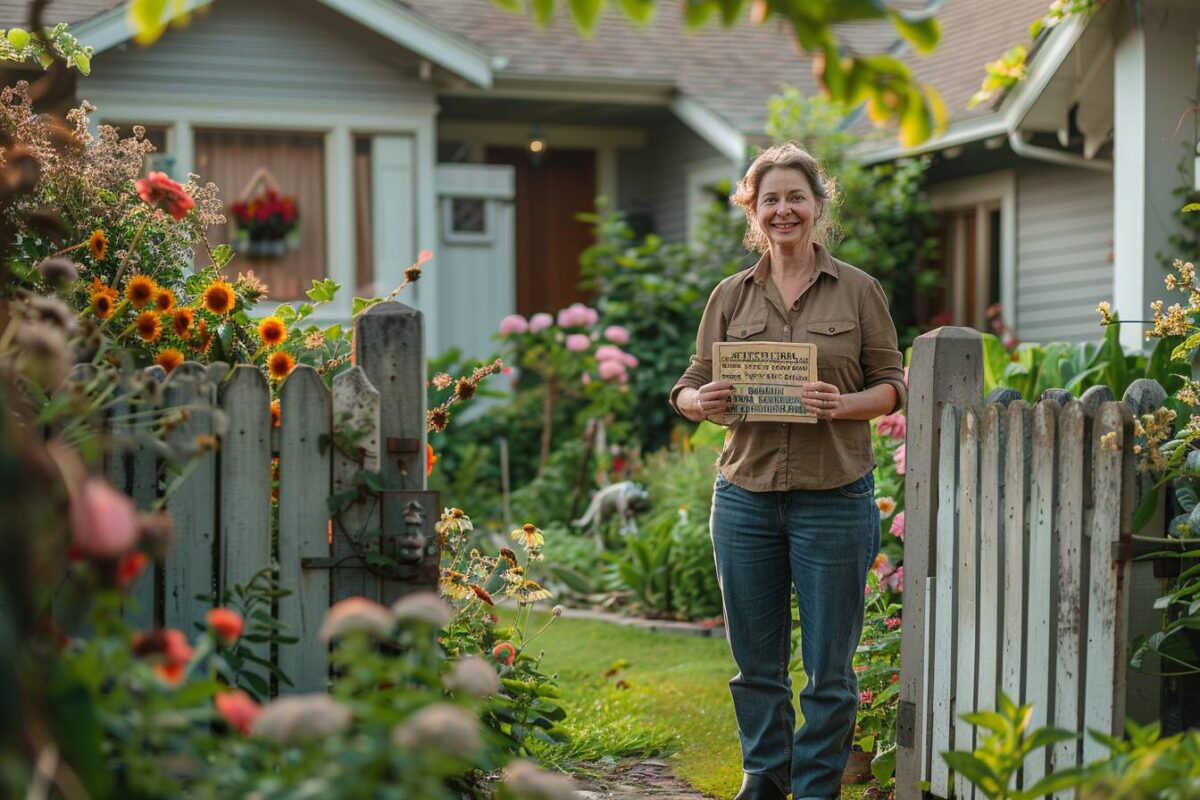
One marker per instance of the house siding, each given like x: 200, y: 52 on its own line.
x: 674, y: 147
x: 271, y: 50
x: 1064, y: 252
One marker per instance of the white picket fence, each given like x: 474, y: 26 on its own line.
x: 222, y: 506
x: 1017, y: 562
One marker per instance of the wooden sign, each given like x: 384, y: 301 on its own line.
x: 766, y: 378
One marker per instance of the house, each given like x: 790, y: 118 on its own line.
x: 402, y: 125
x: 1064, y: 192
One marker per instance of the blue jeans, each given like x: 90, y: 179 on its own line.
x: 821, y: 543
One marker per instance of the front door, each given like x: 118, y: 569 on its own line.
x: 549, y: 239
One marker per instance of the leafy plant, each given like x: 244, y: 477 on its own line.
x: 1003, y: 750
x: 1146, y: 766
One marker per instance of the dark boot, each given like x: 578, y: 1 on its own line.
x: 759, y: 787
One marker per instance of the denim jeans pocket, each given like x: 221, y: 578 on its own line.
x: 860, y: 489
x: 721, y: 482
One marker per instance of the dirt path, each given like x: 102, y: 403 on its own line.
x: 636, y: 779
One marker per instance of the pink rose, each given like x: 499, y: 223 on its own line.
x: 607, y: 352
x: 540, y: 321
x: 899, y: 458
x: 578, y: 342
x: 893, y: 425
x: 612, y: 370
x: 616, y: 334
x: 513, y: 324
x: 897, y: 528
x: 104, y: 522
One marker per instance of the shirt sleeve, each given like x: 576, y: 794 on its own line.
x: 882, y: 362
x: 712, y: 329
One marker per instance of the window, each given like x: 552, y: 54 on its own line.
x: 977, y: 237
x: 296, y: 163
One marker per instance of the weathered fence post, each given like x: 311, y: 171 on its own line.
x: 355, y: 408
x: 389, y: 344
x: 947, y: 367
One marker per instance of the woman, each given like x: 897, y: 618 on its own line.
x: 793, y: 504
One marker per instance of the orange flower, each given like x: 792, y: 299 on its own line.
x: 226, y: 625
x: 159, y: 190
x: 280, y: 365
x: 129, y: 567
x: 148, y: 326
x: 238, y: 709
x: 430, y: 458
x: 164, y: 301
x: 181, y: 319
x: 103, y: 303
x: 272, y: 331
x: 219, y: 298
x: 169, y: 359
x: 140, y: 290
x: 98, y: 244
x: 276, y: 418
x: 170, y: 651
x: 203, y: 338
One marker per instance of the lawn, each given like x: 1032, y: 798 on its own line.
x: 632, y: 692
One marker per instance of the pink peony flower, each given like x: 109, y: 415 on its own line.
x: 897, y: 528
x: 899, y: 458
x: 893, y: 425
x: 607, y: 352
x: 578, y: 342
x: 104, y: 522
x: 612, y: 370
x: 540, y: 321
x: 513, y: 324
x: 616, y: 334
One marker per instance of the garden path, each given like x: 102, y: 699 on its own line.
x: 636, y: 779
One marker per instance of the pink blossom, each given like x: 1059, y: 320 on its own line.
x: 424, y: 255
x: 586, y: 378
x: 104, y: 522
x: 577, y: 315
x: 893, y: 425
x: 616, y: 334
x: 865, y: 697
x: 513, y: 324
x: 899, y: 458
x: 892, y: 623
x: 897, y: 528
x: 896, y: 581
x: 612, y: 370
x: 629, y: 359
x: 608, y: 352
x: 578, y: 342
x: 540, y: 321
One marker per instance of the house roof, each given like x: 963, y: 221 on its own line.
x: 729, y: 73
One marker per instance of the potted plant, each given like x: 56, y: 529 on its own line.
x: 265, y: 224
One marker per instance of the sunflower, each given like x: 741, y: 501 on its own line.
x: 203, y: 338
x: 219, y: 298
x: 164, y: 301
x: 181, y: 320
x: 140, y: 290
x: 148, y: 326
x: 169, y: 359
x: 98, y: 244
x: 280, y: 365
x: 104, y: 300
x: 272, y: 331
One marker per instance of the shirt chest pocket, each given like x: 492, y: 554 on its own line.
x: 837, y: 341
x: 742, y: 330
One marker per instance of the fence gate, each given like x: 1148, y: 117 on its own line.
x: 1017, y: 562
x: 222, y: 503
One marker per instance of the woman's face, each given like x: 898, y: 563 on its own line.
x: 786, y: 208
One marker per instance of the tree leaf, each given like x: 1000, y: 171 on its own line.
x: 586, y: 14
x: 1059, y: 780
x: 543, y: 11
x: 1190, y: 207
x: 923, y: 34
x: 221, y: 255
x: 19, y: 38
x: 640, y: 11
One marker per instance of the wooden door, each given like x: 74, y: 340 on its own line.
x: 549, y: 238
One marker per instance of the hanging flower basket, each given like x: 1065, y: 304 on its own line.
x: 266, y: 222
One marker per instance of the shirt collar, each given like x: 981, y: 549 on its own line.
x: 762, y: 270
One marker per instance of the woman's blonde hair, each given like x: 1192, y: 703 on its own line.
x: 788, y: 155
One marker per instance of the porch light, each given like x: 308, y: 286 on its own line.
x: 537, y: 143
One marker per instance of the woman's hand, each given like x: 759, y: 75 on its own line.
x: 709, y: 400
x: 823, y: 399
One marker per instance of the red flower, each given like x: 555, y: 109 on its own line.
x: 892, y: 623
x: 170, y: 651
x: 129, y: 567
x: 238, y: 709
x: 226, y: 625
x: 865, y: 697
x: 160, y: 191
x: 505, y: 653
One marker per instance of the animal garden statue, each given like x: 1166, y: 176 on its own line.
x: 622, y: 499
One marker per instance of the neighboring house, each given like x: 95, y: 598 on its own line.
x: 406, y: 125
x: 1062, y: 193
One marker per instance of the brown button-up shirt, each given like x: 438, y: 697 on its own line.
x: 845, y: 314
